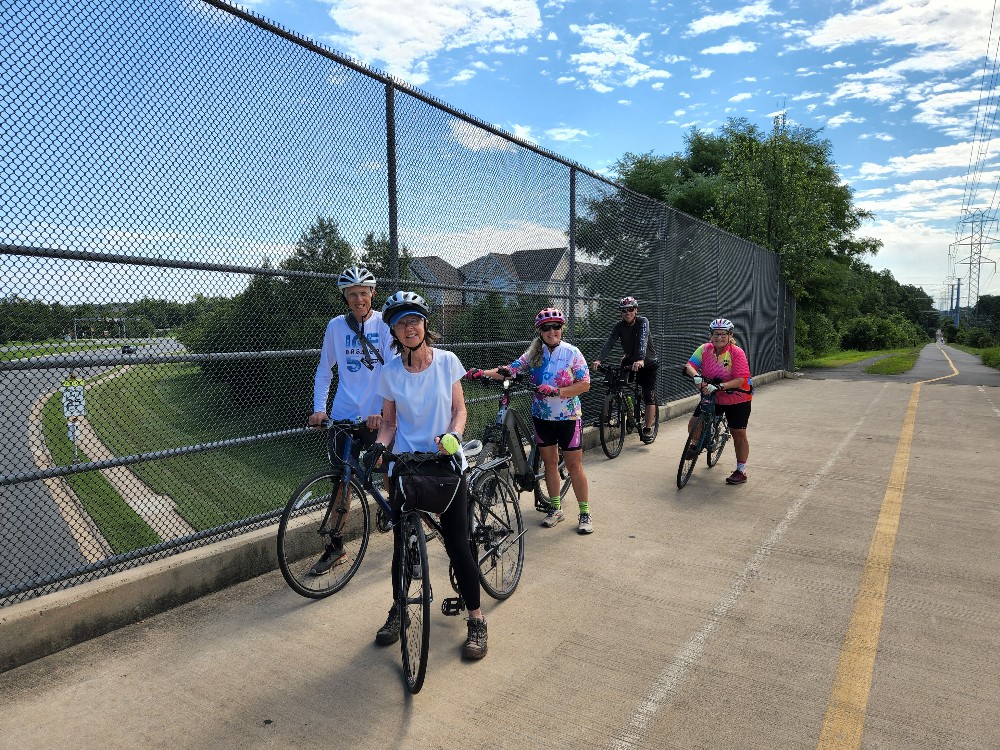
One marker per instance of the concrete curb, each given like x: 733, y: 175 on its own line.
x: 34, y: 629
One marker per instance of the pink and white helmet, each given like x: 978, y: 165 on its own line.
x: 721, y: 324
x: 549, y: 315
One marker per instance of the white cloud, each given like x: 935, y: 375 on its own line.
x: 954, y: 156
x: 746, y: 14
x: 463, y: 76
x: 701, y: 73
x: 876, y: 136
x: 552, y: 37
x: 872, y: 92
x: 658, y: 86
x: 376, y: 32
x: 524, y: 132
x: 740, y: 97
x: 806, y: 95
x: 612, y: 59
x: 566, y: 134
x: 842, y: 119
x: 732, y: 47
x: 475, y: 138
x: 484, y: 238
x: 625, y: 102
x: 565, y: 79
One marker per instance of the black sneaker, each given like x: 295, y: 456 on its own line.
x: 475, y: 643
x: 334, y: 554
x: 389, y: 633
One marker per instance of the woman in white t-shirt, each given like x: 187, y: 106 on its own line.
x: 422, y: 399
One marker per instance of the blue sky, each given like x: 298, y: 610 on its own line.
x: 897, y: 86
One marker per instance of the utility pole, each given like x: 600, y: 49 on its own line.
x: 958, y: 301
x: 974, y: 232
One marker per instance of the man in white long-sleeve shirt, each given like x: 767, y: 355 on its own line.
x: 357, y: 344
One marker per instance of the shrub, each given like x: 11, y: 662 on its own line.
x: 871, y: 332
x: 991, y: 357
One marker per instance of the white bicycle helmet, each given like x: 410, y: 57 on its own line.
x: 401, y: 304
x: 721, y: 324
x: 356, y: 276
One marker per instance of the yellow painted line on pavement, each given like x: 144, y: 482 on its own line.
x: 845, y: 712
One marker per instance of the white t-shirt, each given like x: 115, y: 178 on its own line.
x: 423, y: 399
x: 356, y: 389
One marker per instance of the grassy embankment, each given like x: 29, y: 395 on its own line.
x: 892, y: 362
x: 173, y: 406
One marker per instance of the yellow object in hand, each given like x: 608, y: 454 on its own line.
x: 450, y: 444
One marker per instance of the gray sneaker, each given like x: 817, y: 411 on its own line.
x: 586, y: 524
x: 389, y: 633
x: 553, y: 517
x: 333, y: 555
x: 475, y: 643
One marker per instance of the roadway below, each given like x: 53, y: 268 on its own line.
x: 846, y: 596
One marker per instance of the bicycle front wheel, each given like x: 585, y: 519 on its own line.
x: 323, y: 534
x: 543, y: 502
x: 686, y: 466
x: 496, y: 534
x: 612, y: 425
x: 414, y: 601
x: 720, y: 436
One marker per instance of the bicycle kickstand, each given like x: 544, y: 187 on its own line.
x: 452, y: 606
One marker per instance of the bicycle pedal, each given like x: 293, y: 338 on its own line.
x: 452, y: 606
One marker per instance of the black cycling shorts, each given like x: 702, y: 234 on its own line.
x: 737, y: 415
x: 567, y: 433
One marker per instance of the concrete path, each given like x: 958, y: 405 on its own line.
x: 846, y: 596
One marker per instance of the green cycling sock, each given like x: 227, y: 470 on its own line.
x: 584, y: 508
x: 555, y: 502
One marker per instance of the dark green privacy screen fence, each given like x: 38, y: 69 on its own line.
x: 182, y: 181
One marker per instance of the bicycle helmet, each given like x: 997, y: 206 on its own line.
x: 721, y: 324
x: 628, y: 303
x: 549, y: 315
x: 356, y: 276
x: 402, y: 304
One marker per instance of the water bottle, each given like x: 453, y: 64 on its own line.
x: 415, y: 571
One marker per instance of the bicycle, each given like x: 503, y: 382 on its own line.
x: 332, y: 506
x: 624, y: 411
x: 497, y: 547
x: 508, y: 438
x: 713, y: 438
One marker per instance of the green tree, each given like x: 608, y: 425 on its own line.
x: 376, y: 256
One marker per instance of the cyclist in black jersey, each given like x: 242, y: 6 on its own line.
x: 637, y: 345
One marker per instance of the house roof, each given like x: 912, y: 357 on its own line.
x: 443, y: 271
x: 522, y: 265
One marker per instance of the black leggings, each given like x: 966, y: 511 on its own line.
x: 455, y: 534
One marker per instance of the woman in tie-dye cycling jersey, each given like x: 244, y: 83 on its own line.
x: 560, y: 373
x: 723, y: 365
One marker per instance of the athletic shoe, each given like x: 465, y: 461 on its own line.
x: 586, y: 524
x: 475, y: 643
x: 647, y: 431
x: 553, y: 517
x: 334, y: 554
x: 737, y: 477
x: 389, y: 633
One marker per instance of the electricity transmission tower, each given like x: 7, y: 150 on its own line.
x: 975, y: 232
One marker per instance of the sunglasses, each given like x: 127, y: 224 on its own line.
x: 628, y: 309
x: 550, y: 327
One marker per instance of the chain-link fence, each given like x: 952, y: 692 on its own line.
x: 182, y: 181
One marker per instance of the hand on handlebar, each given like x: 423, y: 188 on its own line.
x: 709, y: 388
x: 474, y: 374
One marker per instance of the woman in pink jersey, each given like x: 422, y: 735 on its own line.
x: 722, y: 364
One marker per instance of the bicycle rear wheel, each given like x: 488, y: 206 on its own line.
x: 686, y: 466
x: 720, y: 436
x: 543, y: 503
x: 310, y: 529
x: 414, y: 601
x: 496, y: 532
x: 612, y: 425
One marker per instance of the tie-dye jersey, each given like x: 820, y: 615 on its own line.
x: 729, y: 364
x: 561, y: 367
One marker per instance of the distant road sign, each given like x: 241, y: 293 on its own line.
x: 73, y: 398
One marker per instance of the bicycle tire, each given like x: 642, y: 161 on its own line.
x: 686, y: 466
x: 720, y: 436
x: 543, y: 502
x: 305, y: 525
x: 612, y: 425
x: 496, y: 533
x: 414, y: 602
